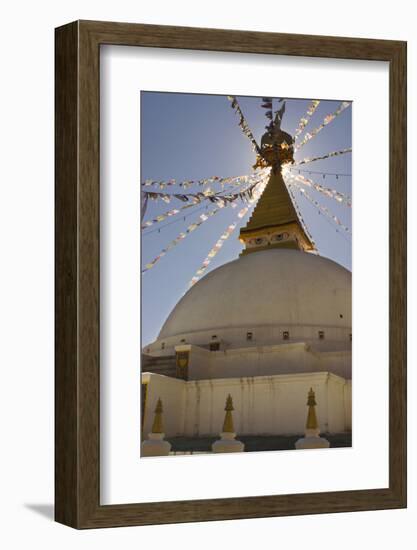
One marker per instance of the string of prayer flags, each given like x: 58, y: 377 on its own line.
x: 337, y: 175
x: 332, y: 193
x: 321, y: 207
x: 216, y: 248
x: 192, y: 227
x: 304, y: 120
x: 194, y: 197
x: 323, y: 157
x: 208, y: 194
x: 243, y: 124
x: 327, y: 119
x: 220, y: 242
x: 297, y: 209
x: 212, y: 180
x: 160, y: 184
x: 236, y: 181
x: 186, y: 184
x: 312, y: 107
x: 143, y: 206
x: 165, y: 215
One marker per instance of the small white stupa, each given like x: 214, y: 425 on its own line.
x: 155, y: 445
x: 312, y: 439
x: 228, y: 442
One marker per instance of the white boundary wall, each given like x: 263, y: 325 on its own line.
x: 263, y: 405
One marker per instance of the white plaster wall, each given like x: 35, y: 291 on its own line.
x: 266, y: 361
x: 263, y: 405
x: 347, y: 394
x: 171, y: 391
x: 337, y: 362
x: 337, y: 394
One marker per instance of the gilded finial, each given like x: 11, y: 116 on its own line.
x: 157, y: 426
x: 311, y: 423
x: 228, y: 418
x: 311, y: 401
x: 229, y: 403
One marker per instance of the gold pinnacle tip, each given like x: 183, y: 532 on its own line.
x: 312, y: 423
x: 228, y: 418
x: 157, y: 426
x: 229, y: 403
x: 311, y: 401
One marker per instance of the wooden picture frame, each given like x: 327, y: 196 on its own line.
x: 77, y: 405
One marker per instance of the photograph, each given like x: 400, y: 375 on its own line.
x: 246, y: 269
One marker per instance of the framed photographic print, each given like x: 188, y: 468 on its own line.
x: 230, y: 274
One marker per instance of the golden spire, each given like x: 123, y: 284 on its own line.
x: 275, y: 222
x: 157, y: 426
x: 311, y: 423
x: 228, y: 418
x: 312, y: 439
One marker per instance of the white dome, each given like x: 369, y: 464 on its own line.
x: 266, y: 291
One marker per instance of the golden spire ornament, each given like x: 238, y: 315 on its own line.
x: 228, y: 442
x: 228, y: 418
x: 312, y: 439
x: 275, y: 222
x: 311, y: 423
x: 158, y: 426
x: 155, y: 445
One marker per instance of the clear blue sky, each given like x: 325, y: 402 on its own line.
x: 193, y: 136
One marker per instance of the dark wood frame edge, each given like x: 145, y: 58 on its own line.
x: 77, y: 380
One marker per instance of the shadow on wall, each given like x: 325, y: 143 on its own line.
x: 45, y: 510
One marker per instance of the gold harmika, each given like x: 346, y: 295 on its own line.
x: 228, y: 418
x: 157, y: 426
x: 311, y: 423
